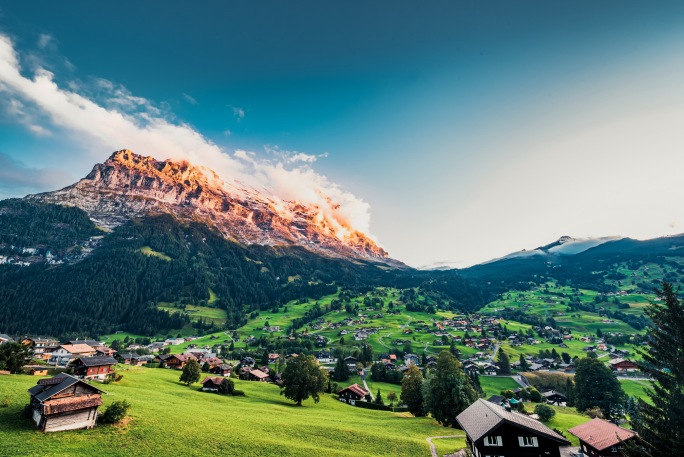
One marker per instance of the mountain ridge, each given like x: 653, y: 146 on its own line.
x: 128, y: 185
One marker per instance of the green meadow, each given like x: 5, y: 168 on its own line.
x: 168, y: 418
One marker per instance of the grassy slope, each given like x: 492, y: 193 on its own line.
x: 171, y: 419
x: 493, y: 385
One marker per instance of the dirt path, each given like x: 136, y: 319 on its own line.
x: 429, y: 439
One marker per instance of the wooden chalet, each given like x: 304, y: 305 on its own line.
x: 494, y: 430
x: 64, y: 402
x: 212, y: 383
x: 554, y: 398
x: 599, y: 437
x: 257, y: 375
x: 352, y: 394
x: 623, y: 366
x: 42, y: 347
x: 177, y: 361
x: 66, y: 352
x: 222, y: 370
x: 38, y: 371
x: 97, y: 367
x: 131, y: 358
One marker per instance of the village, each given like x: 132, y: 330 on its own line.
x: 82, y: 368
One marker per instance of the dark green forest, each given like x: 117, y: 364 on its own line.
x: 117, y: 287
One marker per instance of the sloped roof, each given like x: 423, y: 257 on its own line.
x: 258, y: 373
x: 481, y: 417
x: 77, y: 348
x: 97, y: 361
x: 601, y: 434
x: 355, y: 388
x: 44, y: 391
x: 213, y: 379
x: 63, y: 405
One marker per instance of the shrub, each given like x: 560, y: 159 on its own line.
x: 227, y: 387
x: 5, y: 402
x: 535, y: 396
x: 115, y: 413
x: 594, y: 413
x: 545, y: 412
x: 238, y: 393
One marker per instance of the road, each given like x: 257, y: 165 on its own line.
x: 429, y: 439
x: 494, y: 352
x: 365, y: 386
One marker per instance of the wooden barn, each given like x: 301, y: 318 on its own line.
x: 93, y: 367
x: 64, y: 402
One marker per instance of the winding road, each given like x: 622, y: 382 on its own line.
x: 429, y: 439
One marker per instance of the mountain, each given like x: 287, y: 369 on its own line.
x: 129, y: 185
x: 590, y: 263
x: 138, y: 240
x: 565, y: 245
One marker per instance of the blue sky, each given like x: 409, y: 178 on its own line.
x: 454, y: 132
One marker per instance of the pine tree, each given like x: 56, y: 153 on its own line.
x: 378, y: 398
x: 191, y: 372
x: 447, y: 390
x: 524, y: 366
x: 503, y: 362
x: 341, y: 372
x: 661, y: 424
x: 411, y: 391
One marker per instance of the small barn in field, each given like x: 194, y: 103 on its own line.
x: 64, y: 402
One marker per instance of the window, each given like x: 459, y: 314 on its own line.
x: 493, y: 441
x: 528, y: 441
x: 613, y: 449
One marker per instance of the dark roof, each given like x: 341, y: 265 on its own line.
x: 496, y: 399
x: 6, y: 337
x: 44, y: 391
x: 97, y: 361
x: 92, y: 343
x: 481, y: 417
x: 551, y: 393
x: 601, y: 434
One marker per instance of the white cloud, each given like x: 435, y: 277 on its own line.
x: 238, y: 113
x: 108, y: 117
x: 190, y: 99
x: 45, y: 40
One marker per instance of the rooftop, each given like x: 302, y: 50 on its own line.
x: 601, y: 434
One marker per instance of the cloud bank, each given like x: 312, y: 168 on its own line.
x: 104, y: 117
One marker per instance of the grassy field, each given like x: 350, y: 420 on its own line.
x: 209, y: 314
x: 493, y: 385
x: 564, y: 419
x: 168, y: 418
x: 150, y: 252
x: 635, y: 388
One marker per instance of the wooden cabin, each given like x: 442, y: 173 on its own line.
x: 494, y: 430
x: 212, y: 383
x: 352, y: 394
x: 599, y: 437
x: 64, y: 402
x: 93, y: 367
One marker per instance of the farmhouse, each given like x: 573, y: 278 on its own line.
x: 554, y: 397
x: 623, y: 366
x: 257, y: 375
x: 493, y: 430
x: 222, y: 370
x: 177, y: 361
x: 66, y: 352
x: 599, y: 437
x: 211, y: 383
x: 93, y: 367
x: 64, y: 402
x: 352, y: 394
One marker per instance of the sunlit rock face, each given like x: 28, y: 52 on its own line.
x: 128, y: 185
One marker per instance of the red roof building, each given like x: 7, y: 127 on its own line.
x: 599, y: 437
x: 352, y: 394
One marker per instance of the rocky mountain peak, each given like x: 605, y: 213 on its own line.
x: 128, y: 185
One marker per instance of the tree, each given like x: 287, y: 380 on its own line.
x: 115, y: 412
x: 599, y: 333
x: 535, y: 396
x: 206, y: 367
x: 341, y: 372
x: 392, y: 397
x: 524, y: 366
x: 303, y: 378
x: 13, y: 356
x: 660, y: 424
x: 191, y: 372
x: 378, y: 399
x: 595, y: 385
x: 411, y: 391
x: 447, y: 390
x: 503, y: 362
x: 226, y: 387
x: 544, y: 411
x: 569, y: 392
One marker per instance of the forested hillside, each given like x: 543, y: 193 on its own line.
x: 159, y: 259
